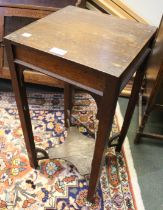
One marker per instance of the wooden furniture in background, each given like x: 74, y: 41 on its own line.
x: 15, y: 14
x: 116, y: 8
x: 153, y: 90
x: 77, y: 53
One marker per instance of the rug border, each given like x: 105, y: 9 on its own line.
x: 130, y: 167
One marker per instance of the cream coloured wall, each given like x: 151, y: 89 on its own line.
x: 151, y: 10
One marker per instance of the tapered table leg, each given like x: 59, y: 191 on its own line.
x: 108, y: 106
x: 68, y: 103
x: 22, y: 105
x: 2, y: 19
x: 133, y: 100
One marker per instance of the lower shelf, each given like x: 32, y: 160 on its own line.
x: 77, y: 149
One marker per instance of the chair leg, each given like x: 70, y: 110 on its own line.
x: 141, y: 127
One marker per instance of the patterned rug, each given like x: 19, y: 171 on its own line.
x: 57, y: 183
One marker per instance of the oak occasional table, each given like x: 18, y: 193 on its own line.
x: 93, y: 51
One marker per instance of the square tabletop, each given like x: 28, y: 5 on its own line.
x: 102, y: 42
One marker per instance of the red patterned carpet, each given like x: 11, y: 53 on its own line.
x: 57, y: 183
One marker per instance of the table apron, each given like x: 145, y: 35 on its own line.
x: 67, y: 71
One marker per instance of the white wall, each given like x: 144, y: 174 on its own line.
x: 150, y: 10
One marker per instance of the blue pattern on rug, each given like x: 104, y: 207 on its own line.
x: 57, y: 183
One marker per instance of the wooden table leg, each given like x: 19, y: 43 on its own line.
x: 108, y: 106
x: 133, y: 100
x: 22, y: 105
x: 68, y: 103
x: 97, y: 99
x: 1, y: 37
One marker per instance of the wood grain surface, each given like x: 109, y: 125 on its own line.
x: 105, y: 43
